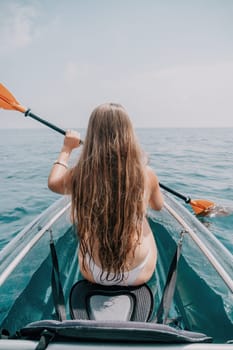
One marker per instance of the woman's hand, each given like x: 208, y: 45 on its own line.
x: 71, y: 140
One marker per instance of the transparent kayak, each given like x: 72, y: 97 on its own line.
x: 203, y: 299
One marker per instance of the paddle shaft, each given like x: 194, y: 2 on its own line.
x: 181, y: 196
x: 28, y: 113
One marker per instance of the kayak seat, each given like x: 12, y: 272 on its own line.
x: 90, y: 301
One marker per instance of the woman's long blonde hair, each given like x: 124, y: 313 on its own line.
x: 108, y: 189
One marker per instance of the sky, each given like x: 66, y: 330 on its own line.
x: 168, y: 62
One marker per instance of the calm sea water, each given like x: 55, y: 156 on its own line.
x: 195, y: 162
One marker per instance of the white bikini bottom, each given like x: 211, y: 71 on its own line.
x: 101, y: 277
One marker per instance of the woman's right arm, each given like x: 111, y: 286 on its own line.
x: 60, y: 176
x: 156, y: 200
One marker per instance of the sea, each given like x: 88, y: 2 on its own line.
x: 197, y: 162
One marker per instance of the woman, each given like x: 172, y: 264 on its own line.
x: 111, y: 187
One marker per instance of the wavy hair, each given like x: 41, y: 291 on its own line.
x: 108, y: 189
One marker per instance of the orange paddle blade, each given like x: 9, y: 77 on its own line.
x: 8, y: 101
x: 201, y: 205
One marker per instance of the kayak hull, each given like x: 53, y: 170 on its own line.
x: 31, y: 345
x: 202, y: 301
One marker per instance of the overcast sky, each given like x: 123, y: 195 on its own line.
x: 170, y: 63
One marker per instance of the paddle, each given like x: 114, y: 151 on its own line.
x: 199, y: 206
x: 8, y: 101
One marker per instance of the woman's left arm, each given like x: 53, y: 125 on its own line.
x: 60, y: 176
x: 156, y: 200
